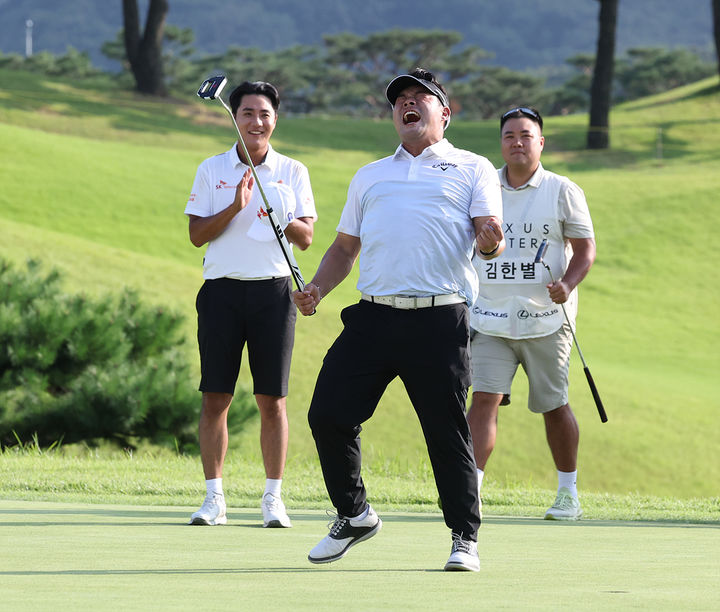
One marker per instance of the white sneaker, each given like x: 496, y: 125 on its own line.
x: 463, y: 556
x: 212, y: 511
x: 273, y: 510
x: 344, y: 533
x: 565, y: 508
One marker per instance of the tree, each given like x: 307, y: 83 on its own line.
x: 645, y: 72
x: 601, y: 89
x: 494, y: 90
x: 144, y: 52
x: 716, y: 28
x: 76, y: 368
x: 359, y: 68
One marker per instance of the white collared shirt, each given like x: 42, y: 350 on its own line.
x: 233, y: 254
x: 413, y: 216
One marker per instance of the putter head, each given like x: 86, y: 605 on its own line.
x: 211, y: 88
x: 541, y: 251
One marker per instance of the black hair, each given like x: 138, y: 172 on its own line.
x: 256, y: 88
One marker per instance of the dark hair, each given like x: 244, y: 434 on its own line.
x: 522, y: 111
x: 256, y: 88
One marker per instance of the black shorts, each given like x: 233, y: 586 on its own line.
x: 233, y: 312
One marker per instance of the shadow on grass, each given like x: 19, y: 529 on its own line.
x: 133, y: 112
x: 250, y: 518
x: 671, y: 523
x: 203, y: 571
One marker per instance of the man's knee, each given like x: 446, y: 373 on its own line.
x: 560, y: 414
x: 215, y: 404
x: 485, y: 405
x: 271, y: 406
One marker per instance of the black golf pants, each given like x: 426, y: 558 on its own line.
x: 428, y: 349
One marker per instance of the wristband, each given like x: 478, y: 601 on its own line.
x: 490, y: 252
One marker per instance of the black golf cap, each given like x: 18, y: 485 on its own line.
x: 406, y: 80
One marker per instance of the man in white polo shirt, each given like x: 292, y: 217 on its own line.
x: 517, y: 319
x: 416, y: 216
x: 246, y: 296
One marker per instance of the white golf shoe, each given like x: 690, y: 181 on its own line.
x: 212, y: 512
x: 463, y: 556
x: 565, y: 508
x: 344, y: 533
x: 273, y: 510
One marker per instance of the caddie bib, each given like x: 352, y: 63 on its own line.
x: 514, y: 300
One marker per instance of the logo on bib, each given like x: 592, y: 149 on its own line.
x: 489, y: 313
x: 524, y: 314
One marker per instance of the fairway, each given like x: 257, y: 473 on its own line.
x: 102, y: 526
x: 78, y: 556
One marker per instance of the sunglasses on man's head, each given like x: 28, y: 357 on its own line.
x: 521, y: 109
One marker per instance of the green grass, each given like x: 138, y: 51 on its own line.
x: 160, y: 477
x: 79, y: 556
x: 95, y: 183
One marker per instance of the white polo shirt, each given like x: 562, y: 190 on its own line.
x: 233, y: 254
x: 514, y: 301
x: 413, y: 216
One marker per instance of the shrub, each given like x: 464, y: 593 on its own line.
x: 75, y: 369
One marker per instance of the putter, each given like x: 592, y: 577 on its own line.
x: 210, y: 90
x: 591, y: 382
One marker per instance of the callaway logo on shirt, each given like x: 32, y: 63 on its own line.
x: 445, y: 165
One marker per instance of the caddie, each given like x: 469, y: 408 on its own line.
x: 517, y: 318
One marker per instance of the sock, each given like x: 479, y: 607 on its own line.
x: 481, y: 473
x: 569, y: 480
x: 272, y: 485
x: 214, y: 485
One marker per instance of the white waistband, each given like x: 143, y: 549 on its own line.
x: 411, y: 302
x: 256, y: 278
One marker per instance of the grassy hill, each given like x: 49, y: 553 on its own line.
x: 95, y: 182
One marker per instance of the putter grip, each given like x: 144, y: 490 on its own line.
x: 596, y: 395
x: 541, y: 251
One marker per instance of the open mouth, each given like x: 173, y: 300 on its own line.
x: 411, y: 116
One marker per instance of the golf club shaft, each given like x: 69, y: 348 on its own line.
x: 279, y: 234
x: 591, y: 382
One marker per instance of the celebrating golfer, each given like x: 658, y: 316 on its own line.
x: 246, y: 296
x: 517, y: 319
x: 415, y: 215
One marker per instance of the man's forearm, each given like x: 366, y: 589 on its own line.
x: 580, y: 263
x: 336, y: 265
x: 205, y: 229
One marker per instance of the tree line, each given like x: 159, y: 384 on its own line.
x: 347, y: 74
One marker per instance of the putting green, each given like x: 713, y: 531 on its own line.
x: 77, y: 556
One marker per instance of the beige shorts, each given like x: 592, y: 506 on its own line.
x: 545, y: 360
